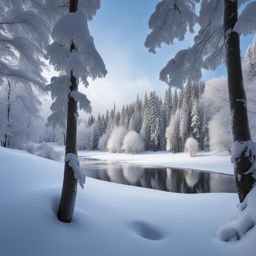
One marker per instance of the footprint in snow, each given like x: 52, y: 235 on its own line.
x: 146, y: 230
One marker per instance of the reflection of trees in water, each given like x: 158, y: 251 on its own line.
x: 188, y: 181
x: 174, y: 180
x: 115, y: 173
x: 220, y: 183
x: 132, y: 174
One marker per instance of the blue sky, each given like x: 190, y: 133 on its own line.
x: 119, y: 30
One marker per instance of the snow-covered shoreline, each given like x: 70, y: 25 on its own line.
x: 110, y: 219
x: 205, y: 161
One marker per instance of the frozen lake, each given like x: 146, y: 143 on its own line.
x: 160, y: 178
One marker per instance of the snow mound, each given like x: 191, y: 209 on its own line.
x: 43, y: 150
x: 244, y: 221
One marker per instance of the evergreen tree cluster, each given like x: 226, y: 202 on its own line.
x: 163, y: 124
x: 188, y: 119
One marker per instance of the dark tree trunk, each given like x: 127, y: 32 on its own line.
x: 69, y: 188
x: 237, y: 99
x: 7, y: 134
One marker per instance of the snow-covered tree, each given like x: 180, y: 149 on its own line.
x: 175, y: 102
x: 20, y: 118
x: 145, y: 128
x: 218, y: 33
x: 98, y: 130
x: 220, y: 132
x: 191, y: 146
x: 196, y: 122
x: 153, y: 124
x: 115, y: 141
x: 73, y: 53
x: 185, y: 113
x: 136, y: 119
x: 133, y: 143
x: 23, y: 35
x: 85, y: 136
x: 251, y: 60
x: 172, y: 134
x: 168, y: 105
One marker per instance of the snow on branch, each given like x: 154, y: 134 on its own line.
x: 30, y: 21
x: 72, y: 160
x: 246, y: 23
x: 247, y: 147
x: 186, y: 65
x: 60, y: 90
x: 207, y: 52
x: 171, y: 20
x: 85, y: 61
x: 82, y: 100
x: 90, y: 7
x: 8, y: 71
x: 57, y: 55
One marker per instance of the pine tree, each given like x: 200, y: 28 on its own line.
x: 251, y: 60
x: 196, y: 122
x: 137, y: 116
x: 155, y: 121
x: 168, y: 106
x: 185, y: 113
x: 70, y: 54
x: 145, y: 128
x: 172, y: 134
x: 175, y: 102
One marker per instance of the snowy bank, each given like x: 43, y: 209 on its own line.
x: 110, y: 219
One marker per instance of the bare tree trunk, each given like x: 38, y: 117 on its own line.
x: 7, y: 134
x: 69, y: 188
x: 237, y: 99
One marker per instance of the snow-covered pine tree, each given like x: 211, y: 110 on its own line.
x: 172, y: 133
x: 98, y: 130
x: 251, y: 60
x: 145, y: 128
x: 117, y: 118
x: 20, y: 114
x: 185, y: 113
x: 138, y: 115
x: 155, y: 121
x: 73, y: 53
x: 122, y: 117
x: 167, y: 105
x: 23, y: 35
x: 196, y: 122
x: 218, y: 33
x: 175, y: 102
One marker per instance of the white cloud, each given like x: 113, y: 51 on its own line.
x: 122, y: 84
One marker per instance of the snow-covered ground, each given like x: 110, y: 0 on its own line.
x: 202, y: 161
x: 110, y: 219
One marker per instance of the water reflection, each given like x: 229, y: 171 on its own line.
x: 166, y: 179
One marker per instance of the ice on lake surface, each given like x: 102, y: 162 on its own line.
x: 160, y: 178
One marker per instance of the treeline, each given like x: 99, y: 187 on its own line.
x: 163, y: 124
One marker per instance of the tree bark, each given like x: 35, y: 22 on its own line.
x: 7, y: 134
x: 69, y: 188
x: 237, y: 99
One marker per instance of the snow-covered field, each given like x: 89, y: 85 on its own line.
x: 110, y: 219
x: 202, y: 161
